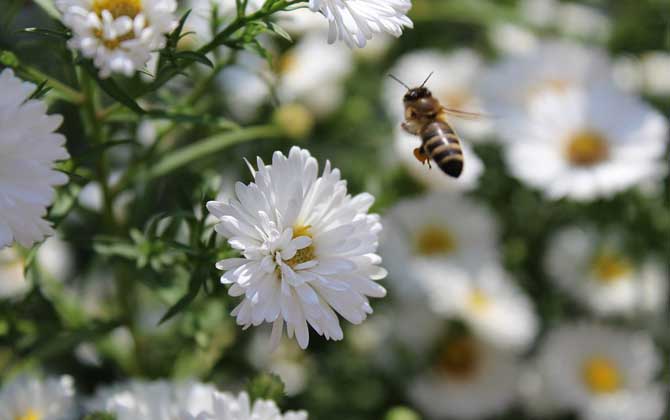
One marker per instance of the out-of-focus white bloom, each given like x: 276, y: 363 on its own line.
x: 539, y: 12
x: 586, y: 144
x: 12, y: 282
x: 535, y: 397
x: 119, y: 35
x: 301, y: 21
x: 583, y: 21
x: 602, y: 372
x: 511, y: 85
x: 356, y: 21
x: 453, y: 82
x: 627, y: 73
x: 511, y: 39
x: 229, y: 407
x: 656, y: 72
x: 312, y: 75
x: 308, y: 249
x: 246, y: 85
x: 433, y: 178
x: 287, y: 361
x: 445, y: 227
x: 204, y: 11
x: 55, y: 257
x: 28, y: 149
x: 470, y: 380
x: 595, y: 270
x: 487, y: 300
x: 29, y: 398
x: 159, y: 400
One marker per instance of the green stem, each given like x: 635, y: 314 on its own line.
x: 61, y: 90
x: 208, y: 146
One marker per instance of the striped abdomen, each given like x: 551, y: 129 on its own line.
x: 441, y: 143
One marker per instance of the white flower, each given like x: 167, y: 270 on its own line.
x: 513, y: 83
x: 56, y: 258
x: 246, y: 85
x: 433, y: 178
x: 159, y: 400
x: 356, y: 21
x: 487, y: 300
x: 119, y: 35
x: 314, y: 76
x: 29, y: 398
x: 595, y: 270
x: 586, y: 144
x: 13, y: 283
x: 28, y: 149
x: 572, y: 19
x: 470, y: 380
x: 202, y: 12
x: 228, y: 407
x: 308, y: 249
x: 455, y: 77
x: 511, y: 39
x: 447, y: 228
x: 656, y: 72
x: 602, y: 372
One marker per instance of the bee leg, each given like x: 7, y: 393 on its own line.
x: 408, y: 128
x: 421, y: 156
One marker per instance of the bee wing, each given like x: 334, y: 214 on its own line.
x: 464, y: 114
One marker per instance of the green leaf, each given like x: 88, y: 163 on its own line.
x: 174, y: 37
x: 40, y: 90
x: 193, y: 290
x: 111, y: 88
x: 195, y: 56
x: 8, y: 58
x: 100, y: 415
x: 266, y: 386
x: 280, y: 31
x: 64, y: 35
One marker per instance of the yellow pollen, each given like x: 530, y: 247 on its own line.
x: 287, y: 62
x: 459, y: 358
x: 609, y: 267
x: 478, y: 301
x: 302, y: 230
x: 433, y: 240
x: 118, y: 8
x: 29, y: 415
x: 586, y: 148
x: 305, y: 254
x: 601, y: 375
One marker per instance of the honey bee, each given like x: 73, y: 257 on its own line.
x: 426, y: 117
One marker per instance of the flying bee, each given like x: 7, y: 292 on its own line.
x: 426, y: 117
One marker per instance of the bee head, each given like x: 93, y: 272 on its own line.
x: 417, y: 93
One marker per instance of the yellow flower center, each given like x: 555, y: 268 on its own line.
x: 305, y: 254
x: 601, y: 375
x: 586, y: 148
x: 287, y: 62
x: 432, y: 240
x: 118, y: 8
x: 459, y: 358
x: 29, y: 415
x: 609, y: 268
x: 478, y: 301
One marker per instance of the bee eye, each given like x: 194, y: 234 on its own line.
x: 413, y: 114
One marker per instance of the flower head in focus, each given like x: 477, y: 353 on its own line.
x: 356, y: 21
x: 308, y: 249
x: 28, y: 398
x: 119, y: 35
x: 28, y: 149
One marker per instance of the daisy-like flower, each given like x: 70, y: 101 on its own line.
x: 119, y: 35
x: 512, y: 84
x: 356, y: 21
x: 602, y: 372
x: 469, y: 380
x: 595, y: 270
x: 486, y: 300
x: 160, y: 400
x: 308, y: 249
x: 229, y: 407
x: 13, y: 283
x: 446, y: 227
x: 28, y: 149
x: 586, y: 144
x: 456, y: 76
x: 30, y: 398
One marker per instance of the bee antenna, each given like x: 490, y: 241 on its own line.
x: 399, y: 81
x: 427, y: 78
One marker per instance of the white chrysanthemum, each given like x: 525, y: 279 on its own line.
x: 470, y: 380
x: 28, y: 149
x: 595, y: 270
x: 453, y: 82
x: 602, y: 372
x: 587, y: 144
x: 246, y: 85
x: 512, y: 84
x: 160, y: 400
x: 29, y: 398
x: 444, y: 227
x: 56, y: 258
x: 486, y: 299
x: 356, y: 21
x: 314, y: 76
x: 308, y: 248
x: 13, y: 283
x: 572, y: 19
x: 226, y: 406
x: 433, y: 178
x: 511, y: 39
x: 119, y: 35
